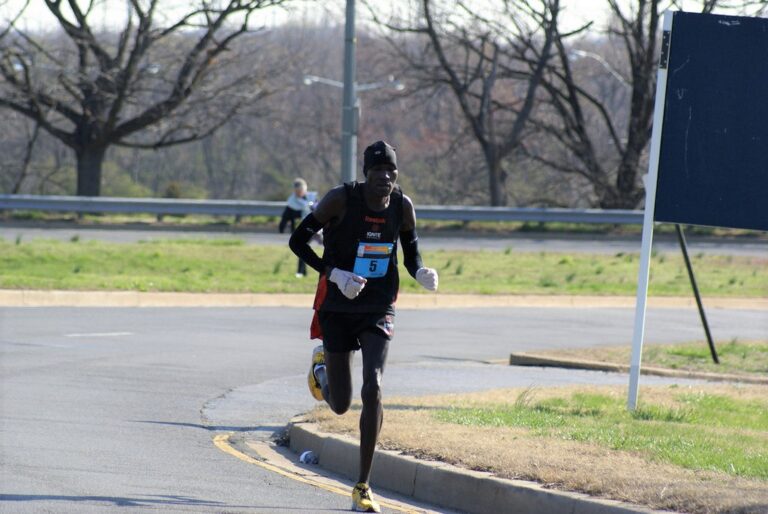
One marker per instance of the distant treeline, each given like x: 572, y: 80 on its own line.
x: 502, y: 107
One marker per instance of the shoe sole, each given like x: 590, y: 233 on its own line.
x: 314, y: 387
x: 355, y: 508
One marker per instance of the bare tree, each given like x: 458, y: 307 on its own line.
x: 601, y: 103
x: 16, y: 166
x: 582, y: 117
x: 483, y: 60
x: 154, y: 83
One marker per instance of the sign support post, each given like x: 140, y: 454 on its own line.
x: 695, y: 287
x: 650, y: 206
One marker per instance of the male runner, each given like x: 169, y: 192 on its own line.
x: 362, y: 222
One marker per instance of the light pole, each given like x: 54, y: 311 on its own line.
x: 350, y: 111
x: 349, y: 127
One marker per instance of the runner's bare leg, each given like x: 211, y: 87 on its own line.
x: 374, y: 347
x: 337, y: 381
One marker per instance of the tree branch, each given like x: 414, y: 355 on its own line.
x: 36, y: 114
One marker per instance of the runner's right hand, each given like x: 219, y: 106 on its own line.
x: 348, y: 283
x: 427, y: 277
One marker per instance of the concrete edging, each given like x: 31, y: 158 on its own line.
x: 532, y: 359
x: 68, y: 298
x: 446, y: 485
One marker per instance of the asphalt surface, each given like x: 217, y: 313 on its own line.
x: 115, y: 409
x: 521, y: 242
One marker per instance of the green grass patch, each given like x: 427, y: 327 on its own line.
x: 216, y: 265
x: 699, y: 431
x: 509, y: 272
x: 230, y: 265
x: 736, y: 357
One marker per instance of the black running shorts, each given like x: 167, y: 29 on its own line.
x: 342, y: 329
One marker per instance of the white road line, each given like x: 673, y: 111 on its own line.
x: 101, y: 334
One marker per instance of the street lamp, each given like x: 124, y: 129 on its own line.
x: 351, y: 117
x: 311, y: 79
x: 391, y: 82
x: 601, y: 60
x: 350, y: 111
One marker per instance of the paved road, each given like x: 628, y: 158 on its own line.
x: 563, y: 243
x: 107, y: 409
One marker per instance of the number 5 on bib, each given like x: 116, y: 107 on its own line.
x: 373, y: 259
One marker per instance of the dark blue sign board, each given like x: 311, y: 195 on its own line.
x: 708, y: 162
x: 713, y: 159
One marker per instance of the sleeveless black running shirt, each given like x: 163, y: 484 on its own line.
x: 342, y: 243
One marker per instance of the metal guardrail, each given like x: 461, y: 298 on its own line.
x: 140, y: 205
x: 465, y: 213
x: 256, y: 208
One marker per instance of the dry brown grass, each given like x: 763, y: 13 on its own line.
x: 514, y: 453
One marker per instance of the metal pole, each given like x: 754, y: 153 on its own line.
x: 684, y: 248
x: 349, y: 115
x: 650, y: 206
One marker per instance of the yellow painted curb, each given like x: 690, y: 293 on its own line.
x: 222, y: 442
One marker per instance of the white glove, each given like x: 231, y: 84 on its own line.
x: 427, y: 277
x: 349, y: 284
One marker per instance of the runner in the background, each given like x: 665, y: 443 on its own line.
x: 298, y: 205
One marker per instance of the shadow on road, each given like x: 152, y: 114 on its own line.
x: 458, y: 359
x: 117, y: 500
x: 146, y: 501
x: 215, y: 428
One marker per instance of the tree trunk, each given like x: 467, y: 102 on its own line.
x: 615, y: 199
x: 496, y: 187
x: 89, y: 161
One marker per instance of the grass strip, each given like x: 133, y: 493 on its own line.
x: 230, y: 265
x: 697, y: 449
x: 698, y: 431
x: 736, y: 357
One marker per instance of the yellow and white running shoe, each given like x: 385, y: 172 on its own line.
x: 318, y: 359
x: 362, y: 499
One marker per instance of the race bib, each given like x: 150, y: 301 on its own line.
x: 372, y: 259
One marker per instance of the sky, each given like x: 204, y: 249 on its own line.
x: 106, y: 12
x: 37, y: 15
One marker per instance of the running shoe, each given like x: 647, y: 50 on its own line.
x: 362, y: 499
x: 318, y: 359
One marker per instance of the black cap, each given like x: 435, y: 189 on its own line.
x: 379, y: 152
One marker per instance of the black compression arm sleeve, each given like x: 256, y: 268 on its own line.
x: 412, y: 258
x: 299, y: 242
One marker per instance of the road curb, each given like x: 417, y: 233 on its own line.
x: 532, y: 359
x: 36, y: 298
x: 61, y: 298
x: 446, y: 485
